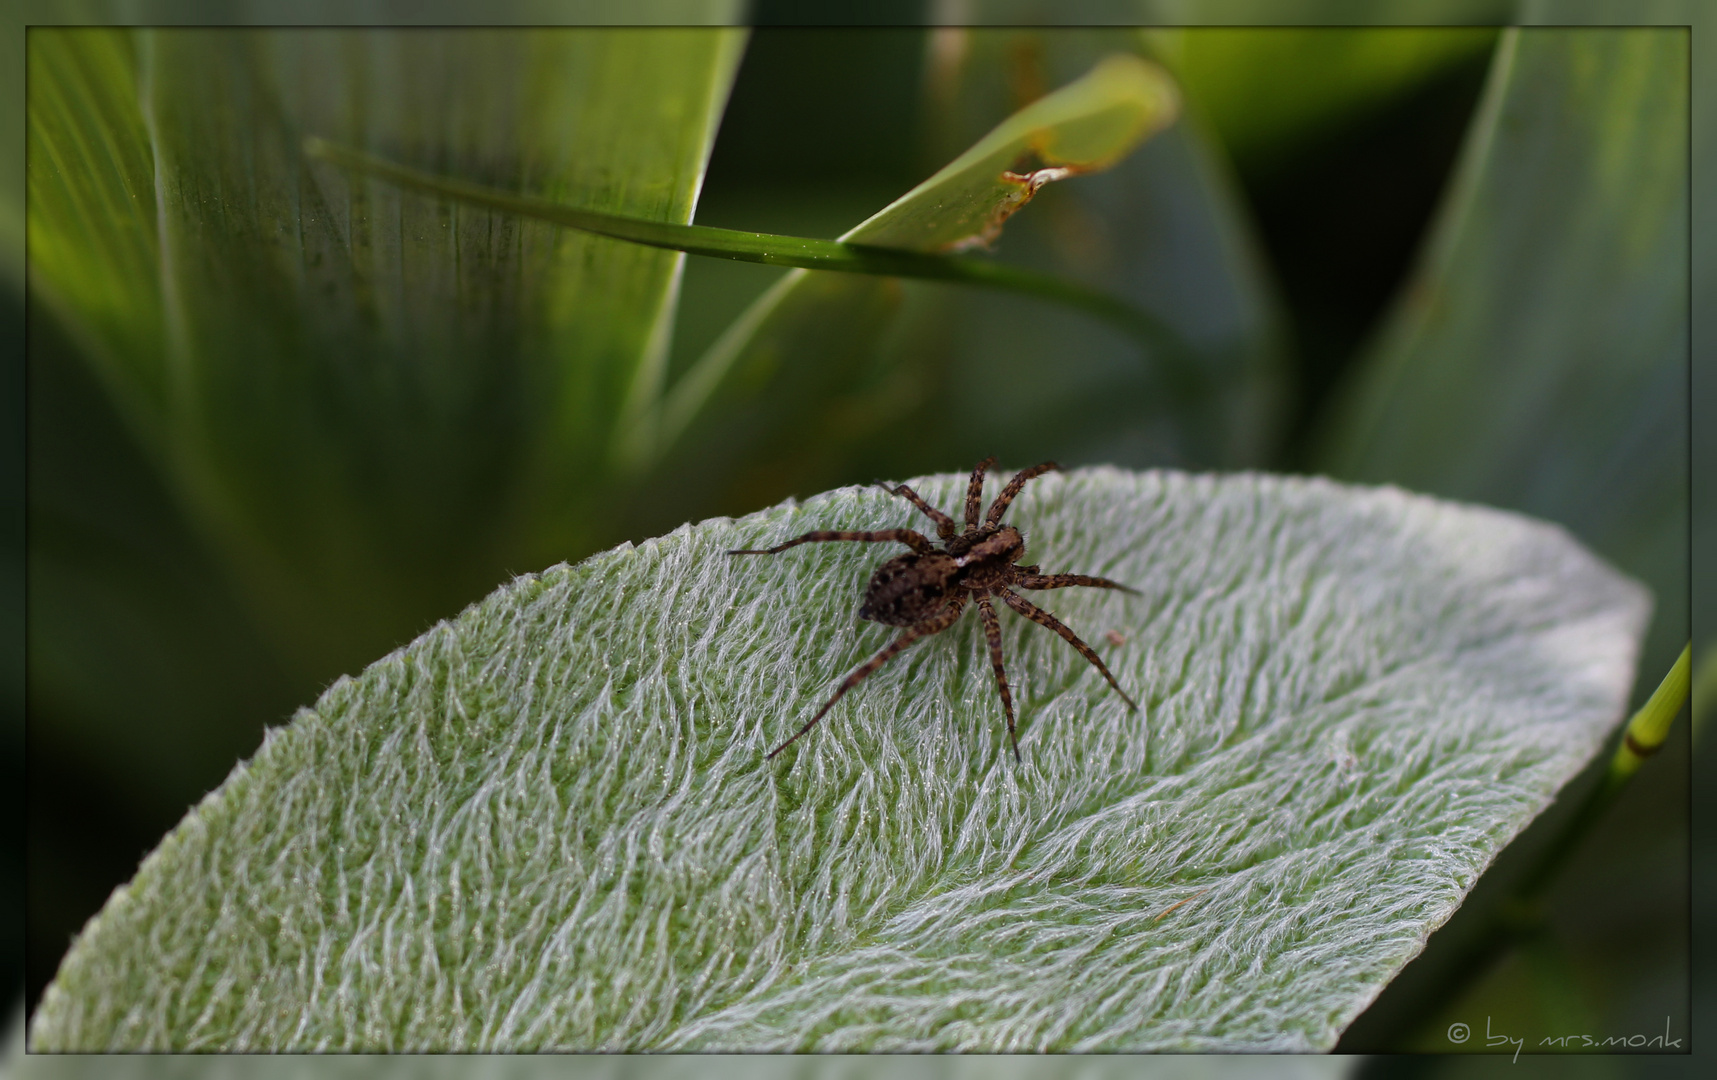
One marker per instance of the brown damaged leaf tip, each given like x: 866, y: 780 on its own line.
x: 1024, y: 185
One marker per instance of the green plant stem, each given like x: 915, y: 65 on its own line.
x: 1182, y: 374
x: 1645, y: 733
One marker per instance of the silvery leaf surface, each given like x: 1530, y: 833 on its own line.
x: 549, y: 823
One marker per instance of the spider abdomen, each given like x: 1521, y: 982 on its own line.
x: 909, y: 588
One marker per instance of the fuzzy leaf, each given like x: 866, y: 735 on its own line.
x: 549, y: 823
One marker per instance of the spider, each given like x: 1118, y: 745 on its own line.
x: 926, y: 589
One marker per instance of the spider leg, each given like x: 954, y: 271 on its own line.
x: 993, y: 635
x: 916, y: 541
x: 1034, y: 580
x: 945, y: 527
x: 933, y: 625
x: 975, y: 493
x: 1043, y: 618
x: 1006, y: 498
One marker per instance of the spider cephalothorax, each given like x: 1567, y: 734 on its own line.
x: 927, y: 589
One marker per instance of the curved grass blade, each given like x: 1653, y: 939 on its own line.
x: 1164, y: 229
x: 1086, y: 126
x: 768, y: 249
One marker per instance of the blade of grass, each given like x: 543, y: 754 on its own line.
x: 807, y: 253
x: 1085, y: 126
x: 1164, y: 228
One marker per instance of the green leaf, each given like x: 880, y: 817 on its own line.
x: 768, y: 249
x: 370, y: 404
x: 1085, y: 126
x: 1538, y: 359
x: 1165, y: 229
x: 549, y: 823
x: 858, y: 380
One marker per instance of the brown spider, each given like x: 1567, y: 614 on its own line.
x: 926, y: 589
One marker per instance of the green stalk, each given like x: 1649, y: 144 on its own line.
x: 1645, y: 733
x: 771, y: 249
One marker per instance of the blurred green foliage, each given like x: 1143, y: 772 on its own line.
x: 1270, y: 92
x: 280, y: 420
x: 1538, y: 359
x: 369, y: 402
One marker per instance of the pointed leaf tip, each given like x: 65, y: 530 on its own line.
x: 1086, y: 126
